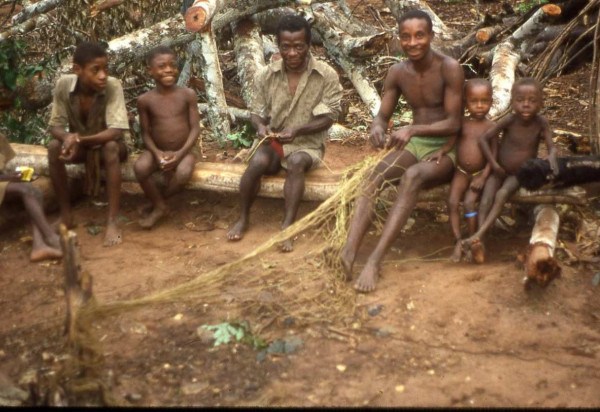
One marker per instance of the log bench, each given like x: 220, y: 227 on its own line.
x: 320, y: 183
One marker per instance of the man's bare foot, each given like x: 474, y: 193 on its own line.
x: 237, y: 230
x: 347, y: 261
x: 367, y: 279
x: 149, y: 221
x: 45, y: 253
x: 287, y: 245
x: 113, y: 235
x: 457, y: 253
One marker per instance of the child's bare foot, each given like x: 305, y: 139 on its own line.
x: 145, y: 209
x: 149, y: 221
x: 477, y: 251
x: 347, y: 261
x: 457, y: 253
x: 368, y: 278
x: 113, y: 235
x: 45, y: 253
x: 287, y: 245
x: 237, y: 231
x: 476, y: 247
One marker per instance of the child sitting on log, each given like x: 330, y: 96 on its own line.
x: 91, y: 105
x: 46, y: 243
x: 522, y: 132
x: 472, y: 170
x: 170, y: 125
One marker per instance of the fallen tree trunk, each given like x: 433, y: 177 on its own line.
x: 213, y: 82
x: 399, y: 7
x: 25, y: 27
x: 335, y: 49
x: 35, y: 9
x: 326, y: 23
x: 320, y: 183
x: 507, y: 56
x: 249, y: 55
x: 224, y: 12
x: 540, y: 266
x: 502, y: 75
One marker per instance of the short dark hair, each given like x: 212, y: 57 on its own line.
x: 294, y: 23
x: 156, y: 51
x: 87, y: 51
x: 416, y: 14
x: 527, y: 81
x: 478, y: 82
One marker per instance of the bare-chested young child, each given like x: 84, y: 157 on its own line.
x: 46, y: 243
x: 522, y: 132
x: 472, y: 169
x: 170, y: 125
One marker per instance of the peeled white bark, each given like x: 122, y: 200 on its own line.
x: 540, y: 265
x: 337, y: 49
x: 35, y: 9
x: 502, y: 75
x: 320, y: 183
x: 213, y: 81
x: 249, y: 55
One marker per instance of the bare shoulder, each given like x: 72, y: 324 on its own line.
x: 542, y: 121
x: 145, y: 98
x: 188, y: 93
x: 451, y: 68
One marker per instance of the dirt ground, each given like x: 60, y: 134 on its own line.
x: 434, y: 333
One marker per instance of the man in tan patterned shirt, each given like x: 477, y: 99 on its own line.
x: 296, y: 100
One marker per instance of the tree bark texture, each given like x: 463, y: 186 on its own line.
x: 249, y: 55
x: 320, y: 183
x: 540, y: 266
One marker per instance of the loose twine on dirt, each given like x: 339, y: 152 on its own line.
x: 299, y: 297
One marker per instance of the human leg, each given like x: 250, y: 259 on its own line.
x: 264, y: 161
x: 59, y: 178
x: 113, y: 152
x: 46, y: 243
x: 509, y: 186
x: 297, y: 165
x: 416, y: 177
x: 458, y: 187
x: 182, y: 175
x: 144, y: 167
x: 391, y: 168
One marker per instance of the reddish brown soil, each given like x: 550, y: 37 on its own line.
x: 445, y: 334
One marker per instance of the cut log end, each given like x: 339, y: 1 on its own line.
x: 540, y: 266
x: 195, y: 19
x: 551, y: 10
x: 483, y: 36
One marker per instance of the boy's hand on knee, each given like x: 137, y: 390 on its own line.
x: 69, y: 147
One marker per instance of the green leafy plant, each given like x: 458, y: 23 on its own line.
x: 225, y: 332
x: 243, y: 137
x: 525, y: 6
x: 20, y: 125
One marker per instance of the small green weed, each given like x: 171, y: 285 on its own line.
x: 243, y: 137
x: 524, y: 6
x: 225, y: 332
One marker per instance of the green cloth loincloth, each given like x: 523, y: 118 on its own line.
x: 422, y: 147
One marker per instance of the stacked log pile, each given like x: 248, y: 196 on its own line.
x: 541, y: 43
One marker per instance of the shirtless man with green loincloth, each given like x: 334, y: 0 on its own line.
x: 432, y: 85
